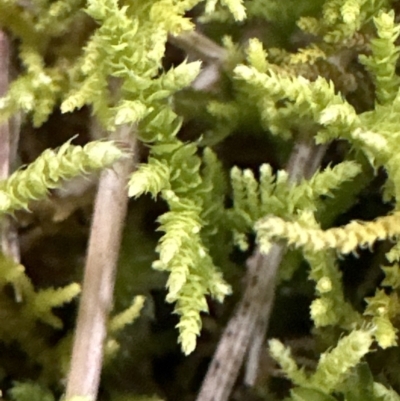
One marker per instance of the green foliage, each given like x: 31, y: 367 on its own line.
x: 36, y: 91
x: 151, y: 177
x: 275, y: 196
x: 51, y: 169
x: 382, y: 63
x: 235, y: 7
x: 330, y: 308
x: 333, y: 366
x: 288, y: 102
x: 118, y: 69
x: 118, y: 322
x: 283, y: 14
x: 26, y: 391
x: 23, y: 318
x: 341, y: 19
x: 344, y: 239
x: 183, y: 252
x: 127, y: 316
x: 111, y: 53
x: 286, y: 361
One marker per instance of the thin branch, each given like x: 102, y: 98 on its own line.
x: 200, y: 47
x: 250, y: 320
x: 9, y: 134
x: 245, y: 332
x: 4, y: 126
x: 304, y: 161
x: 98, y: 283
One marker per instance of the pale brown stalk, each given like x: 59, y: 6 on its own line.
x: 304, y: 162
x: 4, y: 126
x: 245, y: 331
x: 98, y: 283
x: 198, y: 46
x: 9, y: 134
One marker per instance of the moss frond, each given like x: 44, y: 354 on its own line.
x: 192, y: 273
x: 142, y: 87
x: 384, y: 393
x: 236, y: 7
x: 331, y: 307
x: 383, y: 308
x: 382, y: 63
x: 56, y: 16
x: 36, y: 91
x: 345, y: 239
x: 273, y: 195
x: 40, y: 304
x: 151, y: 177
x: 30, y: 391
x: 341, y: 19
x: 127, y: 316
x: 335, y: 364
x: 51, y: 169
x: 305, y: 101
x: 284, y: 357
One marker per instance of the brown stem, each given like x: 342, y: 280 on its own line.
x: 98, y: 283
x: 4, y: 126
x: 245, y: 332
x: 200, y: 47
x: 304, y: 161
x: 8, y: 150
x: 250, y: 320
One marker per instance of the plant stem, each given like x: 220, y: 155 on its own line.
x: 303, y: 162
x: 8, y: 150
x: 245, y: 332
x: 98, y: 283
x: 4, y: 126
x: 249, y: 322
x: 200, y: 47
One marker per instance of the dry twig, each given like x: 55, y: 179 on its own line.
x: 9, y: 134
x: 200, y: 47
x: 4, y: 126
x: 245, y: 332
x: 98, y: 283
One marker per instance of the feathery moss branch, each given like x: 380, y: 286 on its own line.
x: 51, y: 169
x: 344, y: 239
x: 382, y: 62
